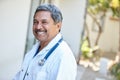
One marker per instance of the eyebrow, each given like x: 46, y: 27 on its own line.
x: 41, y: 19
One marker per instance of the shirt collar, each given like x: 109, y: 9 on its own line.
x: 49, y: 46
x: 53, y: 42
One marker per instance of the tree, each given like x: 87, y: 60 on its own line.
x: 101, y: 7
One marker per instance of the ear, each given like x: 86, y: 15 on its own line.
x: 59, y: 25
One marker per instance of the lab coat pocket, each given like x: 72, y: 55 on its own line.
x: 42, y: 75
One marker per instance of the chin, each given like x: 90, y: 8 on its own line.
x: 41, y: 39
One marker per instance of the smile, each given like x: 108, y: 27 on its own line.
x: 39, y: 32
x: 42, y: 32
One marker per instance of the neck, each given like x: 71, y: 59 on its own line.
x: 45, y: 43
x: 42, y: 45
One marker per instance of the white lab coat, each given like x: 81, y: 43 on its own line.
x: 60, y: 65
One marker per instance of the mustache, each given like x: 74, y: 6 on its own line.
x: 39, y: 30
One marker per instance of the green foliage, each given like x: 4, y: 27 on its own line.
x: 97, y: 6
x: 115, y: 70
x: 86, y: 50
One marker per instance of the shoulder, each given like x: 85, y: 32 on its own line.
x: 65, y: 49
x: 66, y: 52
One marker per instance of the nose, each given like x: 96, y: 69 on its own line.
x: 39, y: 26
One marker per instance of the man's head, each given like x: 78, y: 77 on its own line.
x: 47, y: 22
x: 55, y: 11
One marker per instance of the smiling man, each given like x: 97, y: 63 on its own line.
x: 50, y: 58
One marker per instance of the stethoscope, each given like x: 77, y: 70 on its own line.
x: 42, y: 61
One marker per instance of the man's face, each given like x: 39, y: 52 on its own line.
x: 44, y: 28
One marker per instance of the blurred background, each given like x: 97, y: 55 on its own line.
x: 91, y: 28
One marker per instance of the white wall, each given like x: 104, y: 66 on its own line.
x: 73, y: 22
x: 109, y: 39
x: 14, y: 16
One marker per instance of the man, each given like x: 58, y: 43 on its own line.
x: 50, y: 58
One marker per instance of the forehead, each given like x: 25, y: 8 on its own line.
x: 42, y: 15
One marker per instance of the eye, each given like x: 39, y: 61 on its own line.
x: 35, y: 22
x: 44, y: 22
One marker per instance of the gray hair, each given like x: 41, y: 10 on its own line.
x: 55, y: 11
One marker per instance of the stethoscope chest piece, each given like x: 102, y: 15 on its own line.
x: 41, y: 62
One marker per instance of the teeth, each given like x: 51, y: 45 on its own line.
x: 40, y: 33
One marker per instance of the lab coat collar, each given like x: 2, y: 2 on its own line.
x: 51, y: 43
